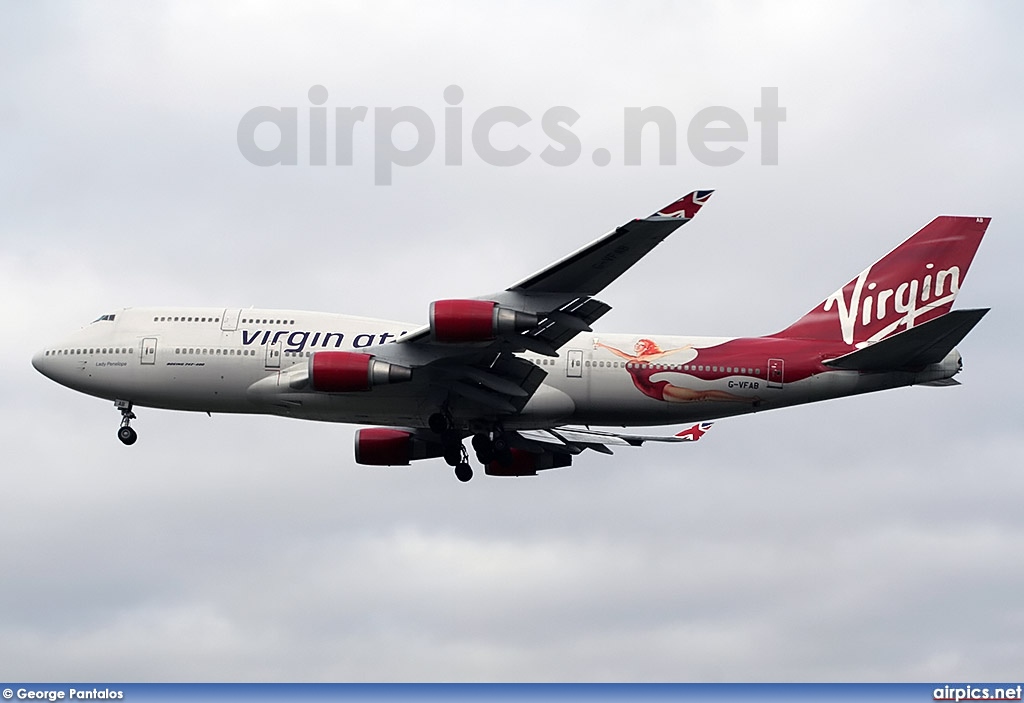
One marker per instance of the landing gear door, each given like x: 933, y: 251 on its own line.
x: 776, y: 369
x: 148, y: 351
x: 274, y: 355
x: 574, y: 363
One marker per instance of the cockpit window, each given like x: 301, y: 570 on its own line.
x: 104, y: 317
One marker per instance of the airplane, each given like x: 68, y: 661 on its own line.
x: 521, y: 372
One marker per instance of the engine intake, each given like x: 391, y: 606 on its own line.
x: 384, y: 446
x: 455, y: 321
x: 344, y: 372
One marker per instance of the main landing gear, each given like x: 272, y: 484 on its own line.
x: 125, y: 433
x: 488, y: 446
x: 492, y: 447
x: 455, y: 454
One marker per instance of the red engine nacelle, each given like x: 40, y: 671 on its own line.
x: 344, y: 372
x: 527, y: 464
x: 384, y: 446
x: 475, y: 320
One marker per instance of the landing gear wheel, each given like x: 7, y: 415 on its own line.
x: 127, y: 435
x: 463, y: 471
x: 484, y: 448
x: 499, y: 444
x: 453, y: 455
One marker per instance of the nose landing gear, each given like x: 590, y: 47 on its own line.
x: 125, y: 433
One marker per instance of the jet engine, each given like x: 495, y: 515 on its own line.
x: 527, y: 463
x: 476, y: 320
x: 386, y: 446
x: 343, y: 372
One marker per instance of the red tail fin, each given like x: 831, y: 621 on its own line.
x: 915, y: 282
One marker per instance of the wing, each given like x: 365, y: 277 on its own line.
x: 468, y: 348
x: 579, y: 438
x: 538, y: 450
x: 589, y: 270
x: 561, y: 294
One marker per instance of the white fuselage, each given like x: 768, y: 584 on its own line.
x: 240, y: 361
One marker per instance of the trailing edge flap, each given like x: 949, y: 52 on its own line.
x: 927, y: 343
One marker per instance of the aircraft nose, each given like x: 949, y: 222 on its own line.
x: 39, y: 362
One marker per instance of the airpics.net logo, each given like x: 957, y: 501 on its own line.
x: 715, y: 135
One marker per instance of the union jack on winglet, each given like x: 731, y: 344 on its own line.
x: 687, y: 206
x: 695, y: 432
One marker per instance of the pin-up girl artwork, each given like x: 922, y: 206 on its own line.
x: 641, y: 369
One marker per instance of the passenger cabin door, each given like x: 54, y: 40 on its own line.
x: 229, y: 320
x: 574, y: 363
x: 274, y: 355
x: 147, y: 355
x: 776, y: 369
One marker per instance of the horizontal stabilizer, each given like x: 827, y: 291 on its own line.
x: 927, y: 343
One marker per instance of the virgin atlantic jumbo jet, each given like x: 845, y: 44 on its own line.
x: 520, y: 371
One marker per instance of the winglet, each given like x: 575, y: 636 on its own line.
x: 686, y: 207
x: 695, y: 432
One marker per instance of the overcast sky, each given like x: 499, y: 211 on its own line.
x: 873, y: 538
